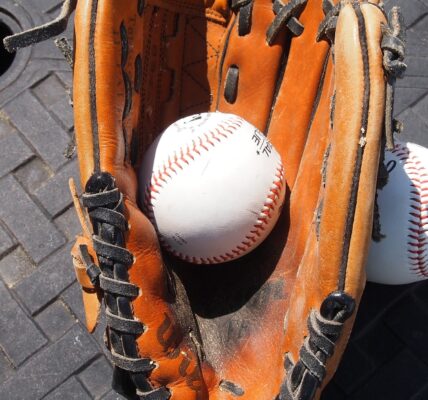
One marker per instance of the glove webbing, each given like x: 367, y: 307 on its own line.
x: 325, y: 326
x: 285, y: 14
x: 105, y: 207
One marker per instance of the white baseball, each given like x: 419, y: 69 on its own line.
x: 402, y: 256
x: 213, y: 187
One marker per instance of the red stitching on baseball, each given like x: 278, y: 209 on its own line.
x: 192, y: 151
x: 417, y: 253
x: 220, y: 133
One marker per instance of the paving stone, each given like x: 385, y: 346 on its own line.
x: 416, y: 82
x: 33, y: 174
x: 410, y: 323
x: 411, y: 11
x: 33, y: 72
x: 48, y: 49
x: 406, y: 97
x: 54, y: 194
x: 415, y: 45
x: 397, y: 380
x: 52, y: 276
x: 420, y: 294
x: 353, y: 360
x: 72, y: 297
x: 422, y: 109
x: 333, y: 392
x: 379, y: 351
x: 55, y: 320
x: 13, y: 152
x: 69, y: 390
x: 19, y: 337
x: 415, y: 129
x: 112, y: 395
x: 6, y: 129
x: 6, y: 242
x: 417, y: 66
x: 97, y: 377
x: 366, y: 354
x: 6, y: 368
x: 38, y: 126
x: 68, y: 33
x: 422, y: 394
x: 69, y: 224
x: 15, y: 266
x: 52, y: 93
x: 35, y: 232
x: 374, y: 303
x: 50, y: 367
x: 48, y: 5
x: 416, y: 42
x: 66, y: 77
x: 421, y: 29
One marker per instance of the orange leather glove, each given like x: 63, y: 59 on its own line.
x: 314, y: 77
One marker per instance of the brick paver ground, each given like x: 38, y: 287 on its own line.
x: 45, y: 351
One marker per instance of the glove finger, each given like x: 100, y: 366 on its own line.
x: 143, y: 333
x: 284, y: 110
x: 332, y: 267
x: 318, y: 254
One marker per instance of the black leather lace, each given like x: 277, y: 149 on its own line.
x: 393, y: 47
x: 327, y: 27
x: 42, y: 32
x: 106, y: 210
x: 286, y: 15
x: 324, y: 328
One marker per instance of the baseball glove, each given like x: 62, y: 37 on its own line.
x: 316, y: 78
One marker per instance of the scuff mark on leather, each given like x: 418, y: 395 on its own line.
x: 233, y: 388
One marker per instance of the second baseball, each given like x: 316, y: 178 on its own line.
x: 213, y: 187
x: 401, y: 256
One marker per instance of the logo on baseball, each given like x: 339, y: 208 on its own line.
x: 213, y: 187
x: 402, y: 255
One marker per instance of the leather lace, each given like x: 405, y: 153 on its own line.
x: 324, y: 329
x: 42, y: 32
x: 393, y: 47
x: 286, y: 15
x: 327, y: 27
x: 106, y: 211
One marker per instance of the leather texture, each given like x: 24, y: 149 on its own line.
x: 139, y: 66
